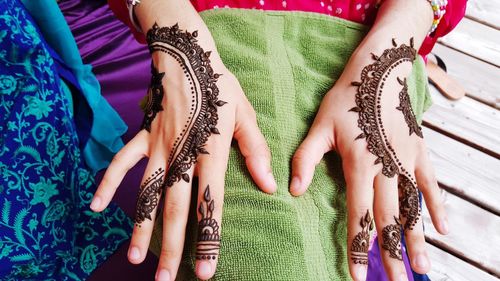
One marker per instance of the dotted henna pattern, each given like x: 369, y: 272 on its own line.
x: 368, y: 106
x: 208, y: 230
x: 361, y: 242
x: 202, y: 118
x: 149, y: 196
x: 391, y: 240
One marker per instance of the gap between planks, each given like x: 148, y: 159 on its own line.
x: 472, y: 233
x: 476, y: 77
x: 476, y: 40
x: 466, y: 120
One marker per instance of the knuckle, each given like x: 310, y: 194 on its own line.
x: 169, y: 253
x: 427, y: 181
x: 387, y: 216
x: 117, y: 158
x: 173, y: 210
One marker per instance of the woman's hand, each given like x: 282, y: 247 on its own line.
x: 367, y: 118
x: 194, y: 108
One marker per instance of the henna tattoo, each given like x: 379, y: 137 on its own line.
x: 203, y: 117
x: 368, y: 105
x: 361, y: 242
x: 208, y: 230
x: 409, y: 205
x: 149, y: 196
x: 369, y: 108
x: 391, y: 240
x: 151, y: 104
x: 405, y: 108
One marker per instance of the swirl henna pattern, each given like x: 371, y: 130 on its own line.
x: 202, y: 118
x: 149, y: 196
x: 369, y: 108
x: 391, y: 240
x: 208, y: 230
x: 361, y: 242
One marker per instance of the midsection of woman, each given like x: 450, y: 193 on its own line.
x: 285, y: 63
x: 46, y: 230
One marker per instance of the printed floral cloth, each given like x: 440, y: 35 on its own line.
x: 47, y: 231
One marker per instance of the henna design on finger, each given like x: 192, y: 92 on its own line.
x: 203, y: 116
x: 391, y: 239
x: 405, y: 108
x: 369, y: 107
x: 409, y: 205
x: 149, y: 196
x: 151, y: 103
x: 361, y: 242
x: 208, y: 230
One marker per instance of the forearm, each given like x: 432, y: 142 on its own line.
x: 167, y: 13
x: 398, y: 20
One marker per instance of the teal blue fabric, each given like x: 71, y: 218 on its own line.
x: 107, y: 126
x: 47, y: 231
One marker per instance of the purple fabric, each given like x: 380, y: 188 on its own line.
x: 122, y: 67
x: 376, y: 270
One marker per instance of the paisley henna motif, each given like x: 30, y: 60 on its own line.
x: 369, y: 108
x: 149, y: 196
x: 405, y: 107
x: 202, y: 118
x: 361, y: 242
x: 409, y: 206
x: 208, y: 230
x: 391, y: 240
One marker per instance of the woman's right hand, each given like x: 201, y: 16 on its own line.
x: 194, y: 108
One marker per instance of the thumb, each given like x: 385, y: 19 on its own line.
x: 254, y: 148
x: 305, y: 159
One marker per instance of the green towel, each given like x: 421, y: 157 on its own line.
x: 285, y: 62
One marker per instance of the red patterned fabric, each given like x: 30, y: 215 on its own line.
x: 361, y: 11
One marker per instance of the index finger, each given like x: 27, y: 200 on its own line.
x: 124, y: 160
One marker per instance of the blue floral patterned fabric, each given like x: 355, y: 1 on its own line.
x: 47, y: 231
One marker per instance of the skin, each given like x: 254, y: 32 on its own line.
x: 237, y: 120
x: 335, y: 128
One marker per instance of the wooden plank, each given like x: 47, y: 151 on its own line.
x: 484, y: 11
x: 465, y: 171
x: 475, y: 39
x: 473, y: 234
x: 476, y: 77
x: 446, y: 267
x: 466, y: 120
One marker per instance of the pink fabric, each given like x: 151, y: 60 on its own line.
x: 361, y: 11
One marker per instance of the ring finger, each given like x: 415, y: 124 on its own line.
x: 389, y: 227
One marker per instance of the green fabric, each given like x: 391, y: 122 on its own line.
x: 285, y: 62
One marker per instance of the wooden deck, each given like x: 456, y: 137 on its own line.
x: 464, y: 141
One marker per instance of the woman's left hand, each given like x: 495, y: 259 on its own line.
x: 369, y: 121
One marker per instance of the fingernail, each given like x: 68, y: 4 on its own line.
x: 270, y: 181
x: 422, y: 261
x: 403, y: 277
x: 134, y: 253
x: 204, y: 269
x: 444, y: 226
x: 96, y: 202
x: 361, y: 273
x: 295, y: 185
x: 163, y: 275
